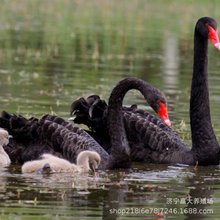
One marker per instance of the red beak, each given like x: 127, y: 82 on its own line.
x: 163, y: 113
x: 213, y: 37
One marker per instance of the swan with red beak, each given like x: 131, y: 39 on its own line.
x: 163, y: 113
x: 213, y: 37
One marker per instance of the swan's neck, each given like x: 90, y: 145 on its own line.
x: 83, y: 161
x: 120, y: 150
x: 2, y: 151
x: 202, y: 132
x: 4, y: 156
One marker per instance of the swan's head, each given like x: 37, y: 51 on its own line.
x: 4, y: 137
x: 45, y: 169
x: 163, y: 112
x: 207, y: 27
x: 158, y: 102
x: 89, y: 160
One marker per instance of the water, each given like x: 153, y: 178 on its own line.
x: 51, y: 54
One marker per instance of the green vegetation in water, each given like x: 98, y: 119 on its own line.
x: 61, y: 33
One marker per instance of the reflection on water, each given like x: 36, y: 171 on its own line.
x: 51, y: 54
x: 142, y: 191
x: 171, y: 62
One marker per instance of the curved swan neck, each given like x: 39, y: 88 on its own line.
x: 83, y: 160
x: 200, y: 119
x: 4, y: 158
x: 119, y: 144
x: 2, y: 150
x: 85, y: 157
x: 118, y: 93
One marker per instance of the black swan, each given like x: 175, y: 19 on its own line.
x: 54, y: 164
x: 34, y: 137
x: 153, y: 142
x: 93, y: 111
x: 54, y: 135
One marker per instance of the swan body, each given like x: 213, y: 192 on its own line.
x: 154, y: 142
x: 51, y: 134
x: 56, y: 164
x: 4, y: 140
x: 92, y: 112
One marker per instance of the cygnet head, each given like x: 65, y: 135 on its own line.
x: 4, y: 137
x: 45, y: 169
x: 88, y: 160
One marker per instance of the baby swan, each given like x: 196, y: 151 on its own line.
x: 58, y: 165
x: 4, y: 140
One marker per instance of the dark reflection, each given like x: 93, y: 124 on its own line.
x: 148, y: 191
x: 200, y: 199
x: 196, y: 203
x: 115, y: 198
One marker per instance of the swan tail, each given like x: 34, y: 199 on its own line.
x: 19, y: 127
x: 89, y: 111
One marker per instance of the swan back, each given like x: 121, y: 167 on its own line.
x: 56, y: 164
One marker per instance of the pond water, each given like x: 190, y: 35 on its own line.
x: 51, y: 54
